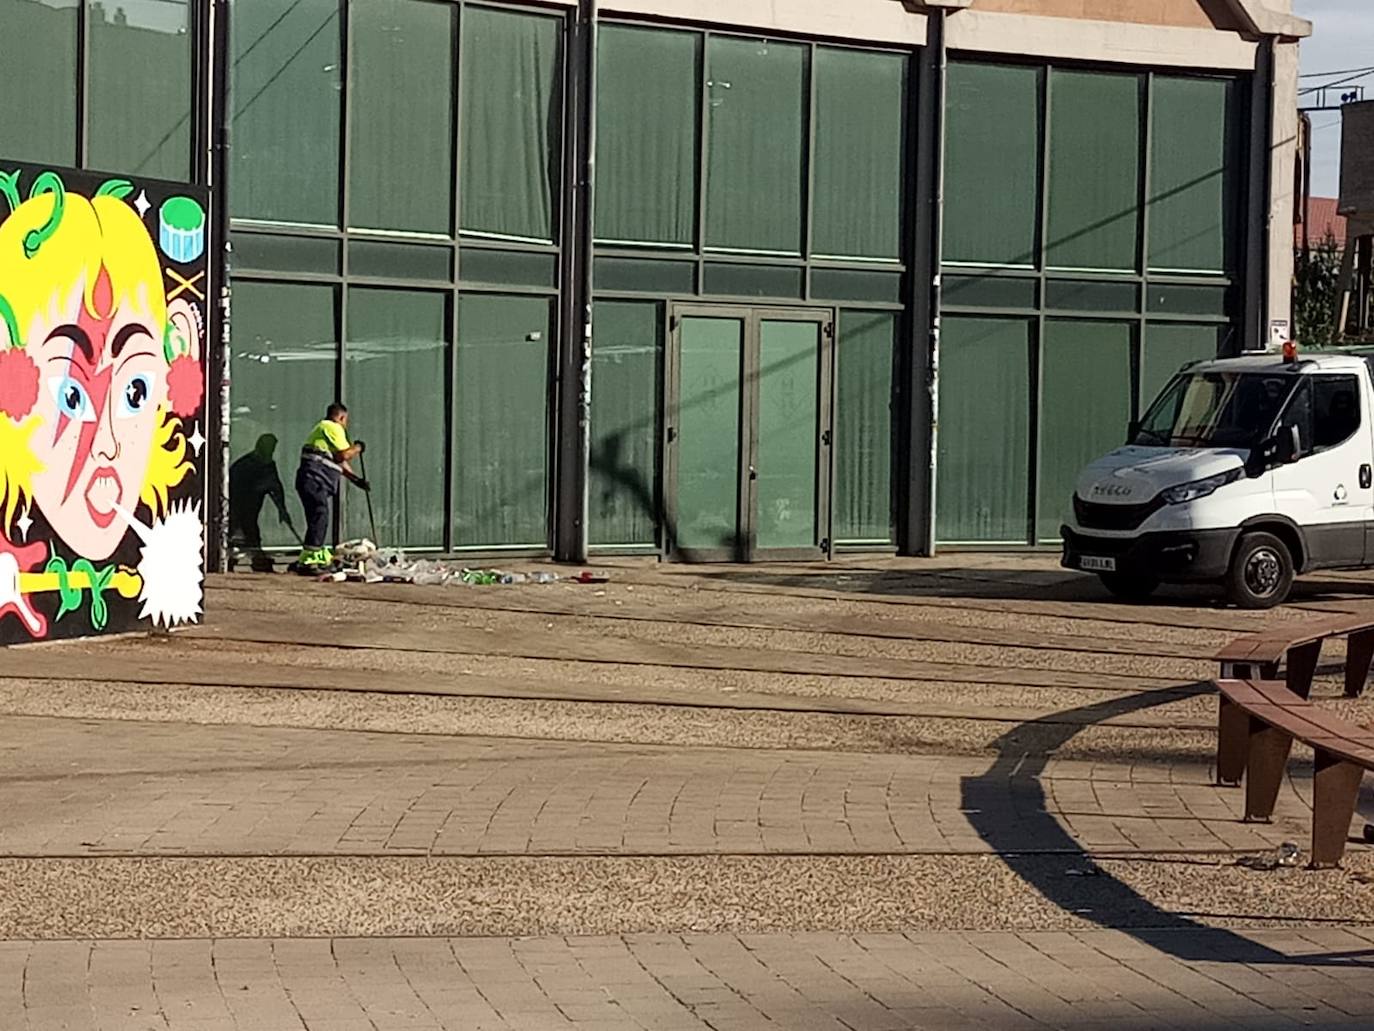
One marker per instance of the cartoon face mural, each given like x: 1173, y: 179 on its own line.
x: 101, y: 388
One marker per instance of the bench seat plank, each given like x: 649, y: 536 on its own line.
x: 1258, y: 722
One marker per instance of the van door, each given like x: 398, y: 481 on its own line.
x: 1329, y: 490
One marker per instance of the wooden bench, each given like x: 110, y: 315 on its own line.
x: 1258, y: 723
x: 1299, y: 648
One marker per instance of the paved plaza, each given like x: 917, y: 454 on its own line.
x: 969, y: 792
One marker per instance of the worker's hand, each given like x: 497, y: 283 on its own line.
x: 363, y: 485
x: 360, y: 445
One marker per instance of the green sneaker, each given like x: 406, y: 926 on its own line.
x: 315, y: 557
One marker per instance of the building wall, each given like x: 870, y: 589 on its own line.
x: 1093, y: 225
x: 403, y: 234
x: 1282, y: 191
x: 873, y: 20
x: 1182, y: 13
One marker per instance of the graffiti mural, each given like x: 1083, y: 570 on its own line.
x: 102, y: 391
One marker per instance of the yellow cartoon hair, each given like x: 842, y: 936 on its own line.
x: 49, y: 244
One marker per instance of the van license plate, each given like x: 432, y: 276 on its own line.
x: 1097, y: 564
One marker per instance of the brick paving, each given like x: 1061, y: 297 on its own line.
x: 167, y: 789
x: 798, y: 982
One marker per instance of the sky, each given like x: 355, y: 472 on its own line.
x: 1342, y: 37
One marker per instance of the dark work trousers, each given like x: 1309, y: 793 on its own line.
x: 317, y: 486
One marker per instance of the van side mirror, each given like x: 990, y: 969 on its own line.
x: 1284, y: 447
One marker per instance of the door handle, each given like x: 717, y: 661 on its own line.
x: 1366, y: 476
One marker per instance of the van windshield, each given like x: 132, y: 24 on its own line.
x: 1215, y: 409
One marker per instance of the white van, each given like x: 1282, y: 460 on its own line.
x: 1243, y: 473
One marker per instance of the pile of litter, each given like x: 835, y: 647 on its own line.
x: 362, y: 561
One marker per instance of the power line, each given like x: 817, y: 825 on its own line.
x: 1338, y: 71
x: 1338, y: 82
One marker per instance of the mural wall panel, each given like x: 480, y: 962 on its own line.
x: 102, y: 394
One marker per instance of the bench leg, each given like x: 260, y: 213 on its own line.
x: 1359, y: 653
x: 1233, y: 735
x: 1265, y: 767
x: 1302, y: 666
x: 1335, y: 791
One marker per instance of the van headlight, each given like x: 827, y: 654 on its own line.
x: 1186, y: 492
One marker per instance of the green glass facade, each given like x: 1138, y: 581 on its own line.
x: 126, y: 104
x: 1091, y: 223
x: 397, y: 162
x: 401, y: 198
x: 755, y: 176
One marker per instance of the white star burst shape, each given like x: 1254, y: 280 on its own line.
x: 141, y: 204
x: 24, y: 522
x: 197, y: 441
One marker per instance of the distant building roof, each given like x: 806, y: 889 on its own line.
x: 1321, y: 219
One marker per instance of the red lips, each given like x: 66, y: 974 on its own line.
x: 101, y: 518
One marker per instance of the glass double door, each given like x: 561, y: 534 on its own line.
x: 747, y: 433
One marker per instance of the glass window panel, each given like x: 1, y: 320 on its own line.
x: 708, y: 435
x: 287, y: 82
x: 992, y: 164
x: 753, y: 281
x: 397, y: 356
x: 509, y: 72
x: 38, y: 80
x: 513, y: 268
x: 399, y: 260
x: 788, y: 434
x: 1090, y: 295
x: 756, y: 92
x: 284, y: 366
x: 1085, y: 408
x: 400, y: 170
x: 863, y: 427
x: 626, y: 356
x: 857, y: 285
x: 1193, y: 174
x: 860, y: 119
x: 501, y: 421
x: 140, y: 87
x: 285, y: 253
x: 984, y: 450
x: 1187, y: 300
x: 1094, y: 202
x: 648, y: 93
x: 664, y: 277
x: 1167, y: 346
x: 989, y: 292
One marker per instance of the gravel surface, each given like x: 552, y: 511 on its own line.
x: 592, y: 721
x: 184, y: 898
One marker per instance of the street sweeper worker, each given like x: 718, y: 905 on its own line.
x: 324, y: 462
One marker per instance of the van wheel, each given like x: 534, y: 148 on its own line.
x: 1261, y: 573
x: 1128, y: 587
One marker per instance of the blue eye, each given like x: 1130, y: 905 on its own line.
x: 136, y: 395
x: 72, y: 399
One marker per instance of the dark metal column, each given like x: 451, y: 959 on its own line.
x: 215, y: 54
x: 573, y: 394
x: 1258, y: 165
x: 919, y: 366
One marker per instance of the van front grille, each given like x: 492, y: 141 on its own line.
x: 1092, y: 515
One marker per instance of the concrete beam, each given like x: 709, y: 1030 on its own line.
x: 876, y: 21
x: 1081, y: 40
x: 1265, y: 20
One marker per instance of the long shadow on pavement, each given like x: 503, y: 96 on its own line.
x: 1092, y: 892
